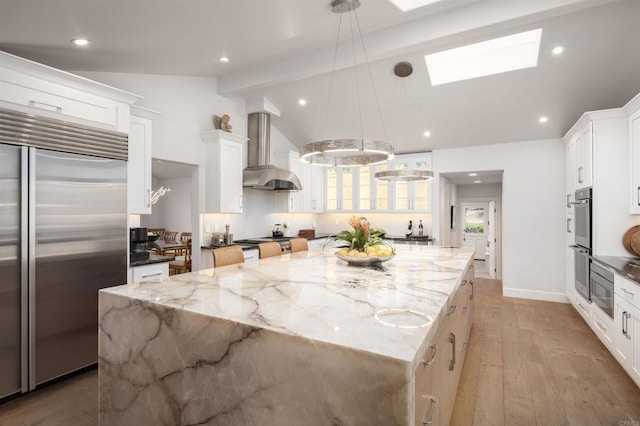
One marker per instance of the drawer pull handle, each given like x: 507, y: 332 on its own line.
x: 627, y: 292
x: 429, y: 419
x: 47, y: 107
x: 601, y: 327
x: 464, y: 282
x: 433, y: 355
x: 452, y: 310
x: 151, y: 275
x: 452, y: 340
x: 471, y: 284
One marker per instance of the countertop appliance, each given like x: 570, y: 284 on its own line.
x: 138, y: 244
x: 582, y: 247
x: 277, y: 231
x: 63, y: 236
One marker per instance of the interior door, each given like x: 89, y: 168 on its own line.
x: 491, y: 240
x: 474, y: 231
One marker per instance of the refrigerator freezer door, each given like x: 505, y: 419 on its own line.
x: 10, y: 285
x: 80, y: 247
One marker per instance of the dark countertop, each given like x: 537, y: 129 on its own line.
x: 318, y: 236
x: 628, y: 267
x: 412, y: 239
x: 153, y: 258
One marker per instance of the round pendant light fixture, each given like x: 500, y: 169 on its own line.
x: 403, y: 70
x: 349, y: 151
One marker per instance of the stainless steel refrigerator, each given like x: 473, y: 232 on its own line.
x: 63, y: 236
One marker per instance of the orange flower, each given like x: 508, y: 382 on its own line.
x: 364, y: 224
x: 354, y: 222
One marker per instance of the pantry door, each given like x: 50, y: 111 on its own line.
x: 474, y: 227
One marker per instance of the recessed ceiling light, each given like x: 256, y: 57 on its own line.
x: 426, y: 134
x: 80, y: 41
x: 223, y: 59
x: 477, y: 181
x: 510, y: 53
x: 473, y: 174
x: 302, y: 101
x: 407, y: 5
x: 557, y: 50
x: 543, y: 119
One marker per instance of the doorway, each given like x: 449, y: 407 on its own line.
x: 475, y: 227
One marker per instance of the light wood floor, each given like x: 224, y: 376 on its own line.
x: 529, y: 363
x: 537, y: 363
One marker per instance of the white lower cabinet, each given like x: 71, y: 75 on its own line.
x: 602, y: 325
x: 151, y: 272
x: 582, y: 306
x: 251, y: 255
x: 438, y: 375
x: 627, y: 326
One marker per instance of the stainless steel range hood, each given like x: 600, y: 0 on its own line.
x: 260, y: 174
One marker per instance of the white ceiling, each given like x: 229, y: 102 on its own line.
x: 485, y: 177
x: 283, y: 49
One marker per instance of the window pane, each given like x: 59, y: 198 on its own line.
x: 365, y: 188
x: 382, y: 190
x: 474, y: 220
x: 402, y: 190
x: 347, y: 188
x: 332, y: 189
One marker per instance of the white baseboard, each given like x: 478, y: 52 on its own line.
x: 545, y: 296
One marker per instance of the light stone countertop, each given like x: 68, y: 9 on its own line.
x: 316, y: 296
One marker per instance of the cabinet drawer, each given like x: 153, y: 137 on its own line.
x: 582, y: 306
x: 426, y: 401
x: 152, y: 272
x: 602, y: 325
x: 56, y: 99
x: 627, y: 289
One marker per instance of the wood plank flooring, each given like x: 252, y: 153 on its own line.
x: 538, y: 363
x: 528, y: 363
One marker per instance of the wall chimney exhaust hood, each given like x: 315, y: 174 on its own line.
x: 260, y: 174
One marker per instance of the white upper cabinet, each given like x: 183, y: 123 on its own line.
x: 291, y: 201
x: 223, y: 171
x: 139, y: 162
x: 584, y: 156
x: 571, y: 179
x: 601, y: 141
x: 633, y: 108
x: 416, y: 195
x: 356, y: 189
x: 38, y: 89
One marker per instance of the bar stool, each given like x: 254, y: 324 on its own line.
x: 299, y: 244
x: 227, y: 256
x: 269, y: 250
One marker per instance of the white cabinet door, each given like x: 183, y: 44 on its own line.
x: 291, y: 201
x: 223, y: 171
x: 634, y: 140
x: 571, y: 177
x: 152, y: 272
x: 251, y: 255
x: 139, y: 166
x: 622, y: 321
x: 584, y: 157
x: 373, y: 195
x: 411, y: 196
x: 316, y: 200
x: 340, y: 189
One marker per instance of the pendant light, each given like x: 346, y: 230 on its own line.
x: 404, y: 70
x: 349, y: 151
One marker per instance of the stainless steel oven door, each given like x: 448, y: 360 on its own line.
x: 602, y: 288
x: 582, y: 271
x: 582, y: 217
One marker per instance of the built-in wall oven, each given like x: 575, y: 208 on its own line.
x: 582, y: 247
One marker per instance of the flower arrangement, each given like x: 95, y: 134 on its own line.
x: 363, y: 241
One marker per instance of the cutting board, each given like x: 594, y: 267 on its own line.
x: 628, y: 237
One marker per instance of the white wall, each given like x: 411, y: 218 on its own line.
x: 483, y: 190
x: 173, y: 210
x: 533, y: 233
x: 395, y: 224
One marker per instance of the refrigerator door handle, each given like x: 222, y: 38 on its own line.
x: 24, y: 270
x: 32, y: 267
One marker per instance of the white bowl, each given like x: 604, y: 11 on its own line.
x: 364, y: 261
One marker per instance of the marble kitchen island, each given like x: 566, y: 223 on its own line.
x: 300, y: 339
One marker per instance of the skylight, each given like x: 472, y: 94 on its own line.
x: 510, y: 53
x: 407, y: 5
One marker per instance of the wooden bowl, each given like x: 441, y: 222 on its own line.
x: 635, y: 243
x: 626, y: 239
